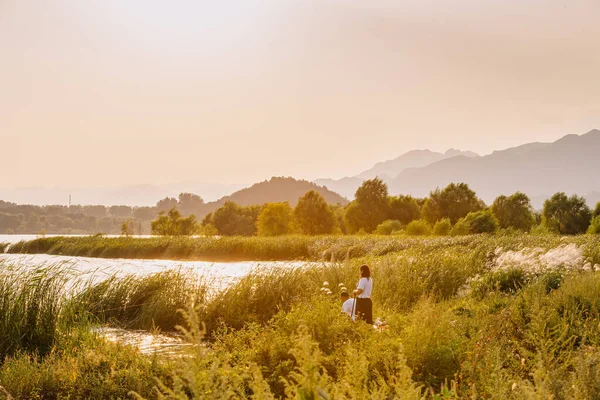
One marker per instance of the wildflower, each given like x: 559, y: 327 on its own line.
x: 514, y: 386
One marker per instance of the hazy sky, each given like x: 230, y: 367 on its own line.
x: 113, y: 92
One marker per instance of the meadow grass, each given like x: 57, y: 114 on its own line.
x: 506, y: 317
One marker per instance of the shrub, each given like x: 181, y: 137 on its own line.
x: 594, y: 227
x: 461, y: 227
x: 481, y: 222
x: 442, y: 227
x: 388, y: 227
x: 419, y: 227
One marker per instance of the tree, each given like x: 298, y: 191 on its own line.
x: 455, y: 201
x: 514, y: 211
x: 481, y: 222
x: 166, y: 204
x: 370, y: 207
x: 313, y: 215
x: 275, y: 219
x: 404, y: 209
x: 173, y: 224
x: 231, y: 219
x: 566, y: 215
x: 190, y: 203
x: 128, y: 227
x: 442, y: 227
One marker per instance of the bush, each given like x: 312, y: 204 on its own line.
x: 482, y: 222
x: 388, y: 227
x: 442, y: 227
x: 461, y: 228
x: 419, y: 227
x: 594, y: 228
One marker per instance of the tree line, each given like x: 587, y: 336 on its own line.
x: 453, y: 210
x: 91, y: 219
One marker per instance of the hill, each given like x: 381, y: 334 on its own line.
x: 387, y: 170
x: 569, y: 165
x: 278, y: 189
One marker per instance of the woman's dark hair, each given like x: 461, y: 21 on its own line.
x: 365, y: 272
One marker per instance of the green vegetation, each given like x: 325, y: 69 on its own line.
x: 314, y: 216
x: 566, y: 215
x: 453, y: 202
x: 275, y: 219
x: 419, y: 227
x: 442, y: 227
x: 173, y: 224
x: 486, y: 316
x: 369, y: 209
x: 389, y: 227
x: 514, y: 212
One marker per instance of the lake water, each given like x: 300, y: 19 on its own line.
x: 17, y: 238
x: 98, y: 269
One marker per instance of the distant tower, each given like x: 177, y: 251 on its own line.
x: 69, y: 201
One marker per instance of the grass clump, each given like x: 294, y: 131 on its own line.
x: 142, y: 302
x: 32, y: 308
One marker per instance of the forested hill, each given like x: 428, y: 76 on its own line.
x: 280, y: 189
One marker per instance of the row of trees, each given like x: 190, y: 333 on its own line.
x: 311, y: 216
x: 453, y: 210
x: 17, y: 218
x: 456, y: 209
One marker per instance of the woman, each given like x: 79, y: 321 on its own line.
x: 364, y: 306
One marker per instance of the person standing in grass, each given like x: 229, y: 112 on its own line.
x: 364, y: 306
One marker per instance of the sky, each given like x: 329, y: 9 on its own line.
x: 112, y: 92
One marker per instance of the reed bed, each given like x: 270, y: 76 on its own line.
x: 282, y: 248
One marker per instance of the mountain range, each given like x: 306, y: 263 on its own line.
x: 570, y: 164
x: 387, y: 170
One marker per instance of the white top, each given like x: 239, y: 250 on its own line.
x: 366, y: 284
x: 348, y: 307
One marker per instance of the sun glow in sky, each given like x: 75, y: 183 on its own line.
x: 122, y: 92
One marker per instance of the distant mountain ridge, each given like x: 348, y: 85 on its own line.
x: 570, y: 164
x: 387, y: 170
x: 280, y: 189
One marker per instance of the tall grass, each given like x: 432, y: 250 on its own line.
x: 32, y: 307
x: 293, y: 247
x: 507, y: 317
x: 143, y: 302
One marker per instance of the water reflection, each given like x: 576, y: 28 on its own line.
x: 168, y: 344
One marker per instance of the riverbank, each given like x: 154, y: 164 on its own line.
x: 281, y: 248
x: 477, y: 317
